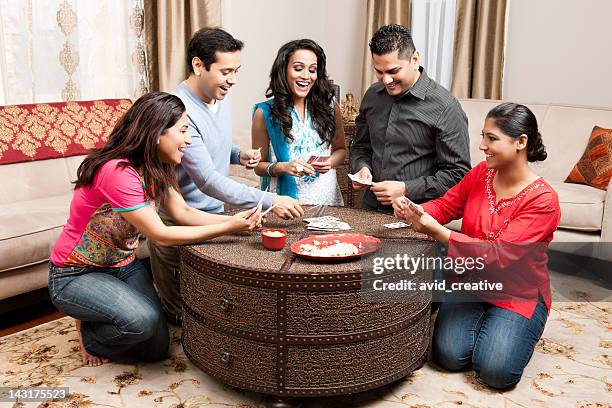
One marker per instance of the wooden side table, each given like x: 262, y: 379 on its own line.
x: 351, y: 197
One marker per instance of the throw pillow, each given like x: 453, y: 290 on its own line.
x: 595, y: 166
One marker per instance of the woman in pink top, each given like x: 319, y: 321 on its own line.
x: 94, y: 274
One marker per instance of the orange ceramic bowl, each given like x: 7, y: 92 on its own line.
x: 273, y: 238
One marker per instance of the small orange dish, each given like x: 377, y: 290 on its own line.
x: 273, y: 238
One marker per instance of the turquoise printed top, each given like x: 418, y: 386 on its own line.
x: 311, y: 189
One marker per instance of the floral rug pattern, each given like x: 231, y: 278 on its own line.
x: 571, y: 367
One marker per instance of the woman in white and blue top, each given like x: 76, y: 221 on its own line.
x: 300, y: 124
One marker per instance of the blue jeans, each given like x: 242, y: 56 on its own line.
x: 495, y: 342
x: 118, y: 307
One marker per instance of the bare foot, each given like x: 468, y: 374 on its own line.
x: 88, y: 359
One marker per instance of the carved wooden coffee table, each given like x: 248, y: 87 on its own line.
x: 270, y: 322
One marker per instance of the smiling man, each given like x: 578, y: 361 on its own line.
x: 213, y: 60
x: 412, y: 135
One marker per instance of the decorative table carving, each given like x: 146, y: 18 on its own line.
x: 269, y: 322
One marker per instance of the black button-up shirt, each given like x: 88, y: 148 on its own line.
x: 420, y: 138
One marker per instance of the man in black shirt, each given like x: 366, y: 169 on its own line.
x: 412, y: 136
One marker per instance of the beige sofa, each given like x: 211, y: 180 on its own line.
x: 586, y: 212
x: 36, y: 193
x: 31, y: 219
x: 38, y: 144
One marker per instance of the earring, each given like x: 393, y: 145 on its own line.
x: 198, y: 73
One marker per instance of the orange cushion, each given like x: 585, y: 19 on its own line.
x: 595, y: 166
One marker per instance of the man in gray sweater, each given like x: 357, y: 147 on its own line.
x: 213, y: 59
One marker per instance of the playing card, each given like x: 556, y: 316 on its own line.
x: 261, y: 198
x: 330, y: 229
x: 325, y: 218
x: 356, y: 179
x: 314, y: 159
x: 413, y: 206
x: 329, y: 226
x: 396, y: 225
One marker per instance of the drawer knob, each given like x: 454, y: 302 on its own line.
x: 224, y: 304
x: 226, y: 357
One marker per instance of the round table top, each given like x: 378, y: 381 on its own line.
x: 245, y: 252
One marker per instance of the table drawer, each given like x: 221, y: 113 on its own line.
x: 354, y: 365
x: 249, y: 364
x: 345, y: 313
x: 238, y: 306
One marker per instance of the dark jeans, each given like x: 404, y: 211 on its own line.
x: 119, y: 309
x: 166, y: 269
x: 495, y: 342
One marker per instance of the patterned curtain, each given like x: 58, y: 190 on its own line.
x: 68, y: 50
x: 169, y: 25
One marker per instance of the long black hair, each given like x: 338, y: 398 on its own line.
x: 516, y: 120
x: 135, y: 138
x: 318, y: 101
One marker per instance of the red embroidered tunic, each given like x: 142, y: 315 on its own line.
x: 503, y: 233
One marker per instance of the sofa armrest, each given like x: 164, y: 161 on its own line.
x: 606, y: 223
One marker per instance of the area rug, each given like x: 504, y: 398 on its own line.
x: 571, y: 367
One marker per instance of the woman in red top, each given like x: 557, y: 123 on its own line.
x: 509, y: 217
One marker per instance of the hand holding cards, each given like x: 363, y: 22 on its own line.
x: 296, y: 168
x: 362, y: 179
x: 250, y: 158
x: 321, y: 164
x: 356, y: 179
x: 413, y: 207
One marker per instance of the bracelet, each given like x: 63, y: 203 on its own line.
x: 270, y: 169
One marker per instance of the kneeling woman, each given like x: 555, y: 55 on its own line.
x: 94, y: 275
x: 502, y: 203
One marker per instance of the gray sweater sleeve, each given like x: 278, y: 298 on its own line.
x: 199, y: 165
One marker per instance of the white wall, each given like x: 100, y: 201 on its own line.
x: 264, y: 25
x: 559, y: 51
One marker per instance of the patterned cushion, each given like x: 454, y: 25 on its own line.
x: 595, y: 166
x: 52, y: 130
